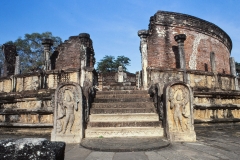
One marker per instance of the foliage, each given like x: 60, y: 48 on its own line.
x: 110, y: 64
x: 237, y: 68
x: 30, y: 50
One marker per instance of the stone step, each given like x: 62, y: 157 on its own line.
x: 124, y: 105
x: 113, y: 83
x: 125, y: 124
x: 123, y: 92
x: 110, y: 96
x: 124, y: 132
x: 106, y: 100
x: 107, y: 88
x: 142, y: 117
x: 121, y: 110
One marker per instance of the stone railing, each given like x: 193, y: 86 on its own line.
x: 198, y: 80
x: 216, y: 98
x: 27, y: 100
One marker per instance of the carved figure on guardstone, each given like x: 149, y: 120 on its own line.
x: 178, y: 104
x: 68, y: 107
x: 68, y: 113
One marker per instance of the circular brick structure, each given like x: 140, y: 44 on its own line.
x: 202, y: 39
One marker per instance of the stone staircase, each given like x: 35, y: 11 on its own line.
x: 123, y: 113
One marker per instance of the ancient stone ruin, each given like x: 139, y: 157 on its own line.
x: 187, y: 79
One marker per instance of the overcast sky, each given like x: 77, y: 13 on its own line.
x: 112, y: 24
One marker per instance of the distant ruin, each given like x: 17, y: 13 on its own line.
x: 186, y: 69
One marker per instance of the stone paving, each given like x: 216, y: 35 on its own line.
x: 212, y: 143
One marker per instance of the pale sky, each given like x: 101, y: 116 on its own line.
x: 112, y: 24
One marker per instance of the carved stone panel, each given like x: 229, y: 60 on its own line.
x: 179, y: 112
x: 68, y: 113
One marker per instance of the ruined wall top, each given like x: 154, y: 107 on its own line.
x: 10, y: 54
x: 193, y: 23
x: 70, y: 53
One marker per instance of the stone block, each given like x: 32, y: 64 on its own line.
x: 68, y: 113
x: 31, y: 148
x: 7, y: 85
x: 178, y: 106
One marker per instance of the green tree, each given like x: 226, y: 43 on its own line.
x: 237, y: 68
x: 110, y: 64
x: 30, y: 50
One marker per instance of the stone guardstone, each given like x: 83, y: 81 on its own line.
x: 178, y: 106
x: 68, y: 118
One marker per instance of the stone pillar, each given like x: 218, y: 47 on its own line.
x: 47, y: 43
x: 10, y: 54
x: 17, y: 66
x: 120, y: 74
x: 143, y: 34
x: 180, y: 40
x: 213, y: 63
x: 233, y: 71
x: 84, y: 38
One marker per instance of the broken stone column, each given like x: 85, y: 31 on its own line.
x: 17, y: 66
x: 47, y: 43
x: 120, y: 74
x: 10, y: 54
x: 233, y: 71
x: 213, y: 63
x: 143, y: 34
x: 213, y: 68
x: 180, y: 40
x: 85, y: 41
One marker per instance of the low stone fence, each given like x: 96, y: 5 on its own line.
x: 27, y: 100
x: 216, y: 98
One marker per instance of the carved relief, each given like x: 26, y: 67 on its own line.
x: 67, y: 106
x: 68, y: 113
x: 46, y: 118
x: 179, y: 98
x: 179, y: 112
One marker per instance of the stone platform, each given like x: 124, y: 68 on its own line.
x: 124, y: 144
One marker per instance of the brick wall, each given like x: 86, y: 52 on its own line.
x: 201, y: 40
x: 69, y: 54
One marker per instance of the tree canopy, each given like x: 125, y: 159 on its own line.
x: 30, y: 50
x: 110, y: 64
x: 237, y: 68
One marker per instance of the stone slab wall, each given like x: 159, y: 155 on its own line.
x: 216, y: 107
x: 27, y: 100
x: 198, y: 80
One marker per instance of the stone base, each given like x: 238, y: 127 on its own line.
x: 182, y: 136
x: 97, y: 132
x: 67, y: 138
